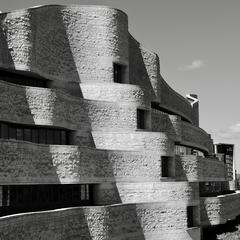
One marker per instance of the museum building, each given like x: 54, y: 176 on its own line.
x: 94, y: 144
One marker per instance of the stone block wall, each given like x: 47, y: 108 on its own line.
x: 68, y: 43
x: 196, y: 168
x: 128, y: 221
x: 75, y: 48
x: 218, y: 210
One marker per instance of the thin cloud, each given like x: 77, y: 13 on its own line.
x: 230, y: 133
x: 196, y: 64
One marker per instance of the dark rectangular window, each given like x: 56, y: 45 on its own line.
x: 191, y: 215
x: 140, y: 119
x: 20, y: 79
x: 118, y: 73
x: 25, y: 198
x: 34, y: 134
x: 165, y: 166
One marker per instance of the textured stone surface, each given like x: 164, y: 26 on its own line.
x: 151, y: 141
x: 128, y: 221
x: 75, y: 48
x: 69, y: 43
x: 30, y: 105
x: 196, y: 168
x: 80, y: 44
x: 218, y: 210
x: 159, y: 191
x: 23, y: 162
x: 196, y: 137
x: 144, y: 70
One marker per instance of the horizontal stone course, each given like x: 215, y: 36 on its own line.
x: 124, y: 221
x: 220, y: 209
x: 30, y: 105
x: 196, y: 168
x: 64, y: 42
x: 24, y: 162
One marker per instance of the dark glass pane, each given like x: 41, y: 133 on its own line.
x: 140, y: 119
x: 4, y: 130
x: 35, y: 135
x: 63, y: 137
x: 50, y: 136
x: 19, y: 134
x: 5, y: 195
x: 27, y: 135
x: 118, y: 71
x: 190, y: 217
x: 83, y: 194
x: 16, y: 78
x: 57, y: 136
x: 42, y: 136
x: 12, y: 132
x: 164, y: 166
x: 87, y: 191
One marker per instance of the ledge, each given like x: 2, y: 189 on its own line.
x: 220, y: 209
x: 113, y: 222
x: 196, y: 168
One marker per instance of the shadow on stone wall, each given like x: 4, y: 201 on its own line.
x: 5, y: 51
x: 227, y: 231
x: 138, y: 73
x: 50, y: 44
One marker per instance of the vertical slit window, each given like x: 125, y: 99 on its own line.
x: 164, y: 166
x: 140, y: 119
x: 191, y: 216
x: 118, y: 72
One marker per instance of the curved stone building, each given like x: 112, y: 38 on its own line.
x: 94, y: 143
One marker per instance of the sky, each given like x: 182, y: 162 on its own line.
x: 198, y: 43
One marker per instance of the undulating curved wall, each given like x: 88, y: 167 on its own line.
x: 23, y: 162
x: 68, y: 43
x: 147, y: 141
x: 197, y: 169
x: 116, y: 92
x: 42, y: 106
x: 128, y: 221
x: 196, y: 137
x: 220, y: 209
x: 186, y: 192
x: 144, y: 70
x: 74, y: 48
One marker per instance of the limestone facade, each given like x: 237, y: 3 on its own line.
x: 123, y: 123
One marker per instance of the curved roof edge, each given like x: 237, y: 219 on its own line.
x: 64, y: 5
